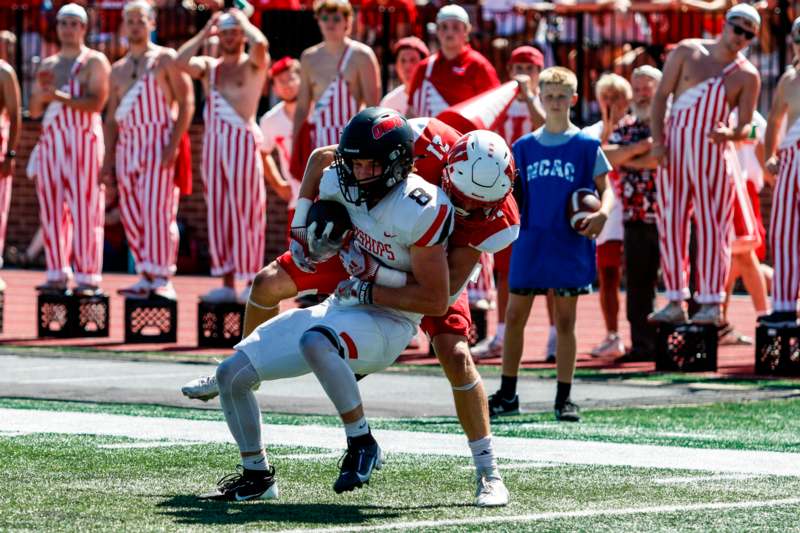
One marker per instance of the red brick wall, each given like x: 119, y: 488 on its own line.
x: 24, y: 215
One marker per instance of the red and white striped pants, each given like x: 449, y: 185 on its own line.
x: 148, y: 199
x: 236, y: 198
x: 71, y: 203
x: 697, y: 181
x: 5, y: 203
x: 784, y: 230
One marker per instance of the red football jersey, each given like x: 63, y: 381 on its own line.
x: 432, y: 140
x: 489, y: 235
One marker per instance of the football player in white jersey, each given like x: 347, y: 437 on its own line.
x: 399, y: 219
x: 442, y: 156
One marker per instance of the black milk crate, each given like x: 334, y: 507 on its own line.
x: 219, y: 325
x: 686, y: 347
x: 64, y: 315
x: 778, y: 350
x: 479, y: 328
x: 152, y: 319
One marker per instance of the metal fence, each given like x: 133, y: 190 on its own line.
x: 588, y: 38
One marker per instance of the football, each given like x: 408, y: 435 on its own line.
x: 324, y: 211
x: 582, y: 203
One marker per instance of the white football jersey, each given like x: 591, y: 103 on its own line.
x: 413, y: 213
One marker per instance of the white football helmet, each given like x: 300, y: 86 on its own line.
x: 479, y: 172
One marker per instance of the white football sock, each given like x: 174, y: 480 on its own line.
x: 357, y: 428
x: 483, y: 456
x: 256, y: 462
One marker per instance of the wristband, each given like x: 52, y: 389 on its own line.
x: 365, y: 293
x: 389, y: 277
x: 301, y: 212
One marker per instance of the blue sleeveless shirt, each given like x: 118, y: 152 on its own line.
x: 549, y: 254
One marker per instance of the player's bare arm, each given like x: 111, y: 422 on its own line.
x: 431, y: 291
x: 94, y: 84
x: 619, y: 155
x: 187, y: 58
x: 777, y: 114
x: 180, y: 88
x: 12, y: 104
x: 461, y: 261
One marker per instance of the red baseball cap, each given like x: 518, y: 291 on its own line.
x: 527, y: 54
x: 412, y: 43
x: 282, y: 65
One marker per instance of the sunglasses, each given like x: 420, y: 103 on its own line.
x: 333, y: 18
x: 738, y: 30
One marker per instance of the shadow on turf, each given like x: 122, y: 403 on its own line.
x: 188, y: 510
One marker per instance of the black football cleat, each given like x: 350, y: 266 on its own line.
x: 567, y: 412
x: 245, y: 485
x: 357, y: 464
x: 499, y: 406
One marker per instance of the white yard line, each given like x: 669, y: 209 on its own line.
x: 75, y: 379
x: 392, y: 441
x: 702, y: 479
x: 418, y: 524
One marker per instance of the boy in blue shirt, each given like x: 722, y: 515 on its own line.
x: 553, y: 162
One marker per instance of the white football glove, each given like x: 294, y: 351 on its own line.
x: 353, y: 291
x: 357, y: 263
x: 324, y: 247
x: 298, y: 247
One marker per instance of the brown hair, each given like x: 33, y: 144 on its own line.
x: 336, y: 6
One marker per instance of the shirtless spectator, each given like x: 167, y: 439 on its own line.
x: 232, y: 167
x: 338, y: 76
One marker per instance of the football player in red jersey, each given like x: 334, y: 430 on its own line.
x: 487, y: 220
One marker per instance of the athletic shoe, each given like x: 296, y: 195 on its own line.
x: 87, y: 291
x: 499, y: 406
x: 730, y: 337
x: 491, y: 492
x: 220, y: 295
x: 568, y: 412
x: 53, y: 287
x: 163, y: 288
x: 245, y: 485
x: 140, y: 289
x: 204, y: 388
x: 356, y: 466
x: 488, y: 348
x: 550, y: 351
x: 708, y: 314
x: 672, y: 313
x: 611, y: 346
x: 779, y: 319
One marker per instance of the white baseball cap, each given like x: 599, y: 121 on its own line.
x: 73, y: 10
x: 745, y: 11
x: 452, y: 12
x: 227, y: 22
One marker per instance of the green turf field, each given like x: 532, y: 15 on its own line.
x: 60, y: 482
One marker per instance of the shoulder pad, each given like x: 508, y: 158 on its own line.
x: 427, y: 213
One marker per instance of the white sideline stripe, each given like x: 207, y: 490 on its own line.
x: 519, y: 466
x: 146, y: 444
x: 157, y: 375
x: 701, y: 479
x: 513, y: 448
x: 554, y: 516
